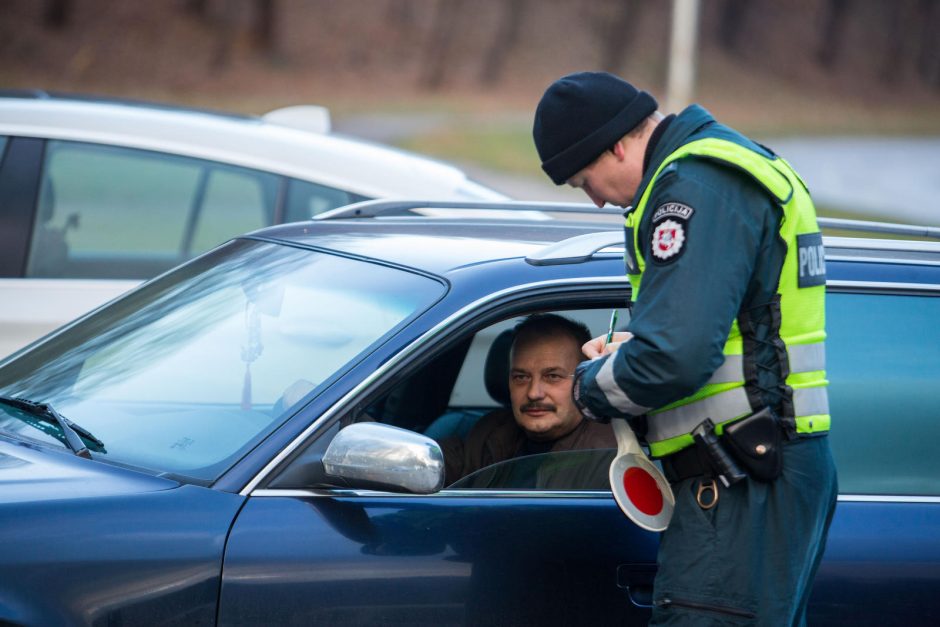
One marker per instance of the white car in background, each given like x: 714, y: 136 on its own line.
x: 99, y: 194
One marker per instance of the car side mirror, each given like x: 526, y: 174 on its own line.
x: 378, y: 456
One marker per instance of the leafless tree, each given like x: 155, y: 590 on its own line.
x: 198, y: 8
x: 57, y: 14
x: 835, y: 14
x: 401, y: 14
x: 616, y: 30
x: 927, y: 62
x: 225, y: 22
x: 265, y: 20
x: 443, y: 30
x: 731, y: 23
x: 897, y: 18
x: 507, y: 36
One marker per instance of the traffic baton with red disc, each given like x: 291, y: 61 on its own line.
x: 639, y: 488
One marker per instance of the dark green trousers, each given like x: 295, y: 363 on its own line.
x: 751, y: 559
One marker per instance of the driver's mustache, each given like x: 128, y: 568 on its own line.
x: 542, y: 406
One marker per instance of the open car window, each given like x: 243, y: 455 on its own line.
x: 446, y: 398
x: 563, y: 470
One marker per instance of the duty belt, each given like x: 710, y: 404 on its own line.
x: 693, y: 462
x: 685, y: 464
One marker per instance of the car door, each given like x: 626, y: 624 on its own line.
x: 496, y: 549
x: 490, y: 553
x: 882, y: 561
x: 490, y: 557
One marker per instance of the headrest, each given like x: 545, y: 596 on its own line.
x: 496, y: 369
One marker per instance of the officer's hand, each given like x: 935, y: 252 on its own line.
x: 598, y: 347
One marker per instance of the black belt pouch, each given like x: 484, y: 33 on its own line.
x: 756, y: 442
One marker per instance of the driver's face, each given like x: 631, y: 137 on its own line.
x: 540, y: 382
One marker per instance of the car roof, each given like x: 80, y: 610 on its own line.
x: 279, y: 142
x: 443, y: 238
x: 433, y: 244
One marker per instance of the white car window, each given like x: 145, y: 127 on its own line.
x: 111, y: 212
x: 236, y: 201
x: 306, y: 199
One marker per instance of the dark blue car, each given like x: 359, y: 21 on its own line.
x: 250, y: 438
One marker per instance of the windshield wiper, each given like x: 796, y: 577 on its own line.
x: 72, y: 432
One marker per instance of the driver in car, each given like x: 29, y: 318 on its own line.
x: 542, y: 417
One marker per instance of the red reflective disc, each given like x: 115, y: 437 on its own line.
x: 643, y: 491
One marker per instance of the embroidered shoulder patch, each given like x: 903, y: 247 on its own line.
x: 670, y: 231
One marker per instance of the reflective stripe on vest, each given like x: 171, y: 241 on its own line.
x: 723, y: 398
x: 668, y: 432
x: 803, y: 358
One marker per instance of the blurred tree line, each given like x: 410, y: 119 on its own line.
x: 910, y: 30
x: 901, y: 34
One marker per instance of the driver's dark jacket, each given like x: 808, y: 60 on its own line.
x: 497, y: 437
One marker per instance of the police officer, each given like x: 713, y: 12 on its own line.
x: 725, y: 350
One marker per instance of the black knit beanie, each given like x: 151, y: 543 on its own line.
x: 582, y: 115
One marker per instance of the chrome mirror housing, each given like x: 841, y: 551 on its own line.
x: 378, y: 456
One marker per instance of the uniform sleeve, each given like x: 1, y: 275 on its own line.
x: 701, y: 234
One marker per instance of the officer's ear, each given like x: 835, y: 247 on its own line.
x: 618, y: 150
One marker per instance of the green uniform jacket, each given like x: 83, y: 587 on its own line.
x: 728, y: 261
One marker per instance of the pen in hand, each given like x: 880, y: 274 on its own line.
x: 610, y: 328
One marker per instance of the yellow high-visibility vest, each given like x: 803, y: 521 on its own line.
x: 802, y: 309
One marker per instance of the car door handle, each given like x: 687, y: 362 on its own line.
x: 637, y: 580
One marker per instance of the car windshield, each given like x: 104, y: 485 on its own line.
x: 189, y: 372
